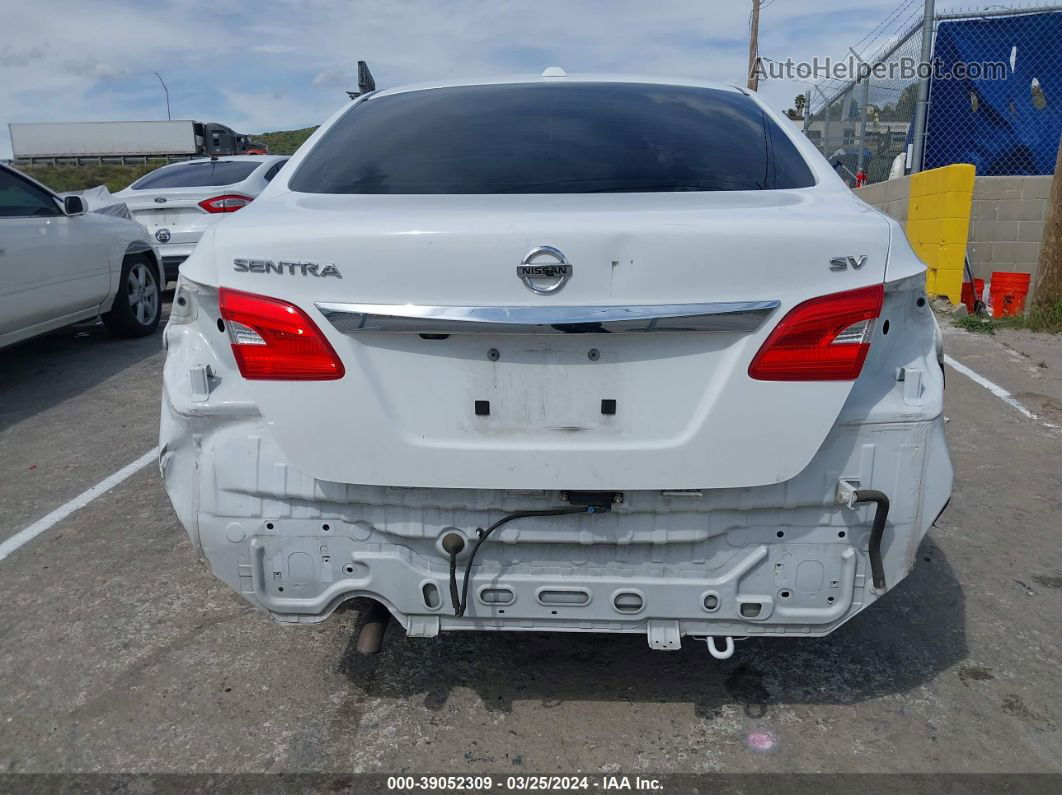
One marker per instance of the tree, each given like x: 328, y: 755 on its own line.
x: 903, y: 108
x: 1047, y: 291
x: 799, y: 102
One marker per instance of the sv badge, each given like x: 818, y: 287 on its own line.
x: 843, y: 263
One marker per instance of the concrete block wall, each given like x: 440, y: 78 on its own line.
x: 1006, y: 219
x: 891, y: 197
x: 1007, y: 224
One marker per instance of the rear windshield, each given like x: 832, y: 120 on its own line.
x: 198, y: 175
x: 553, y: 138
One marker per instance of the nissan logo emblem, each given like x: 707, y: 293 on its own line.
x: 544, y: 270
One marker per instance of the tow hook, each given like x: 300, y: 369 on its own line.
x: 848, y: 495
x: 720, y: 654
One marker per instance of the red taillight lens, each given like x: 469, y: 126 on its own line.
x: 824, y: 339
x: 274, y: 340
x: 227, y: 203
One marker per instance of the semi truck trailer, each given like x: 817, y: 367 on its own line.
x: 120, y: 141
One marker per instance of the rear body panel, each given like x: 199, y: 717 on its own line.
x: 687, y: 415
x: 183, y: 220
x: 297, y: 546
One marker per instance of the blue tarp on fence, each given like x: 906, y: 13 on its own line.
x: 1008, y: 126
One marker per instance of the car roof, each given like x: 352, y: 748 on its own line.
x: 260, y: 159
x: 231, y: 159
x: 566, y: 79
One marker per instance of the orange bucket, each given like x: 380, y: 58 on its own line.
x: 1008, y: 293
x: 972, y: 293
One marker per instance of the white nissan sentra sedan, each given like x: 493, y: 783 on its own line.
x: 558, y: 353
x: 176, y: 203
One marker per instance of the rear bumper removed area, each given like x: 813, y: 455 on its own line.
x: 771, y: 560
x: 792, y: 557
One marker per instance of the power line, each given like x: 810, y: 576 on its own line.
x: 881, y: 25
x: 831, y: 85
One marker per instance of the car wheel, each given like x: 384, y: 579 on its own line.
x: 137, y: 306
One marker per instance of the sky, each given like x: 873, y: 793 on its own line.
x: 262, y: 65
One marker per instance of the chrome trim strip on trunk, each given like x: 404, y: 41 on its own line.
x: 421, y: 319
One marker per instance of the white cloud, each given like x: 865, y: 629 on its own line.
x: 90, y: 67
x: 12, y: 56
x: 280, y: 64
x: 272, y: 49
x: 334, y: 77
x: 257, y: 112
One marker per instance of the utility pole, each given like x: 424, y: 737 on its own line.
x: 1048, y: 288
x: 918, y: 137
x: 754, y: 46
x: 168, y: 116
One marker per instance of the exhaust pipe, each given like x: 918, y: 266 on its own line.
x: 370, y: 638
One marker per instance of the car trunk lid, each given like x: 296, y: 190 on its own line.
x: 551, y: 406
x: 174, y: 209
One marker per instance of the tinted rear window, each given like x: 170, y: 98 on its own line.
x: 553, y: 138
x: 198, y: 175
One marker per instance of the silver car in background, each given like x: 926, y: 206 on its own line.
x: 176, y: 203
x: 60, y: 265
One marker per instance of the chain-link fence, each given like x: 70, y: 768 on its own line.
x: 994, y: 90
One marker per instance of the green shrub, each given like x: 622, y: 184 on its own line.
x: 976, y: 324
x: 1041, y: 318
x: 1036, y: 318
x: 69, y: 177
x: 284, y: 142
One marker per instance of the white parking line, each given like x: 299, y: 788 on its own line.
x: 80, y: 501
x: 996, y: 390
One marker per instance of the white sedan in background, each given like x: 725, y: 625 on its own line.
x: 176, y: 203
x: 60, y: 265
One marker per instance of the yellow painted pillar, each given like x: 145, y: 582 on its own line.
x: 938, y: 224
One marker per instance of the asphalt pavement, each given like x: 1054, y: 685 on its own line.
x: 120, y: 652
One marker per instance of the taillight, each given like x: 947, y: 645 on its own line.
x: 274, y: 340
x: 824, y: 339
x: 226, y: 203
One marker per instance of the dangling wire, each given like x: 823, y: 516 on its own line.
x: 483, y: 535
